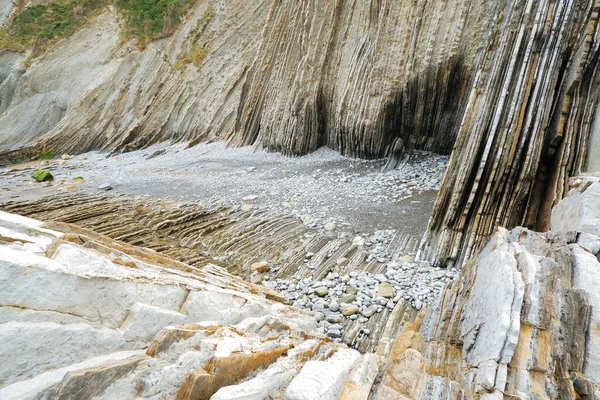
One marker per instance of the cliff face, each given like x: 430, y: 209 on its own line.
x: 366, y: 78
x: 526, y: 127
x: 510, y: 88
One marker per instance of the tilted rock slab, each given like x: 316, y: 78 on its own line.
x: 520, y: 322
x: 83, y: 316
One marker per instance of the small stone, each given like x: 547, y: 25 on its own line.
x: 347, y: 299
x: 246, y: 207
x: 334, y: 333
x: 368, y: 312
x: 330, y: 226
x: 322, y: 291
x: 349, y: 309
x: 66, y: 157
x: 358, y: 241
x: 249, y: 198
x: 319, y: 316
x: 307, y: 219
x: 320, y: 307
x: 351, y: 290
x: 333, y: 306
x: 385, y: 290
x: 261, y: 266
x: 418, y: 304
x: 105, y: 186
x: 256, y: 279
x: 333, y: 318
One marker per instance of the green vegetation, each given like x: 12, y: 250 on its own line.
x: 41, y: 25
x: 152, y: 19
x: 195, y: 56
x: 46, y: 153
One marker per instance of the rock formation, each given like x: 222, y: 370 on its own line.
x: 525, y: 130
x: 509, y: 87
x: 91, y: 317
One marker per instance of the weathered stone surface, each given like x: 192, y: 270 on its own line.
x: 519, y: 321
x: 323, y: 379
x: 489, y: 326
x: 386, y: 290
x: 589, y: 242
x: 79, y: 323
x: 580, y: 210
x: 261, y: 266
x: 586, y: 275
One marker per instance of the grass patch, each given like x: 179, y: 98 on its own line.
x: 41, y: 25
x: 152, y: 19
x: 195, y: 57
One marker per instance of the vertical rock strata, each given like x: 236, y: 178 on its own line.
x: 510, y: 86
x: 525, y: 128
x: 521, y: 322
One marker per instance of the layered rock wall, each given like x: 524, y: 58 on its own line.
x: 526, y: 128
x: 91, y: 317
x: 521, y: 321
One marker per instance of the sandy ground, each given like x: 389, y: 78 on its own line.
x: 319, y: 188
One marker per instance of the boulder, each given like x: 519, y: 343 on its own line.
x: 386, y: 290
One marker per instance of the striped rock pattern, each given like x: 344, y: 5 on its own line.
x: 232, y: 238
x: 509, y: 87
x: 525, y: 130
x: 520, y: 322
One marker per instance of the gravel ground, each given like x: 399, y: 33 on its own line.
x: 320, y: 188
x: 325, y: 190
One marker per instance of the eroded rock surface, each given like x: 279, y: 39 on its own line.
x: 91, y: 317
x: 521, y: 321
x: 509, y: 87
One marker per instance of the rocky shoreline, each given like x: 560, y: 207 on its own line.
x: 519, y: 320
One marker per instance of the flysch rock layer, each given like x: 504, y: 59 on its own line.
x: 510, y: 87
x: 522, y: 321
x: 84, y: 316
x: 90, y: 317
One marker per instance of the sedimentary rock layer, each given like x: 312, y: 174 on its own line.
x: 525, y: 129
x: 366, y: 78
x: 234, y: 239
x: 520, y: 322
